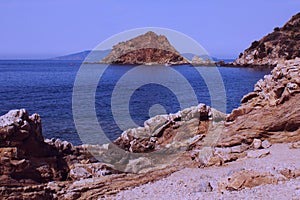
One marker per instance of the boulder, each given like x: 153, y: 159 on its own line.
x: 256, y: 144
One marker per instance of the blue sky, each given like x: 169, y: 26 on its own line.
x: 43, y: 29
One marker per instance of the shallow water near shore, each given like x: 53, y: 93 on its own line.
x: 45, y: 87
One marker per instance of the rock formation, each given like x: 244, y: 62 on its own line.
x: 282, y: 44
x: 162, y: 140
x: 24, y: 154
x: 41, y: 168
x: 146, y: 49
x: 26, y: 158
x: 271, y: 111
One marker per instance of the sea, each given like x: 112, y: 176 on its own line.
x: 46, y: 87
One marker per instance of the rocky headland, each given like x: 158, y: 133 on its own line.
x: 280, y: 45
x: 146, y: 49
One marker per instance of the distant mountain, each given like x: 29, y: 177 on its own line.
x: 282, y: 44
x: 91, y: 56
x: 148, y: 49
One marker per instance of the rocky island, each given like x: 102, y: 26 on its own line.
x: 146, y: 49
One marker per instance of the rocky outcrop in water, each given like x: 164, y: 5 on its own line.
x: 282, y: 44
x: 146, y: 49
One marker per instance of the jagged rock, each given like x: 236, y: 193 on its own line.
x: 149, y: 49
x: 169, y: 131
x: 273, y: 115
x: 282, y: 44
x: 27, y: 157
x: 24, y: 154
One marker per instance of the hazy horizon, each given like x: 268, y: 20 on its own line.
x: 38, y: 30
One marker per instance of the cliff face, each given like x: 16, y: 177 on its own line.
x: 149, y: 48
x: 282, y: 44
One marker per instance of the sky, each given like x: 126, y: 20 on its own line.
x: 37, y: 29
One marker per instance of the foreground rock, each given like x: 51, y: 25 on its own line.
x: 39, y: 168
x: 270, y: 112
x: 28, y: 163
x: 25, y: 157
x: 282, y: 44
x: 146, y: 49
x: 162, y: 140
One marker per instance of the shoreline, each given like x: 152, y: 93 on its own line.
x: 80, y: 175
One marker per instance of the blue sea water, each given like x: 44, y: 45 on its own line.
x: 45, y: 87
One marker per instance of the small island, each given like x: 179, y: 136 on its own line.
x: 146, y: 49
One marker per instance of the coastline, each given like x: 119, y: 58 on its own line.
x: 82, y: 171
